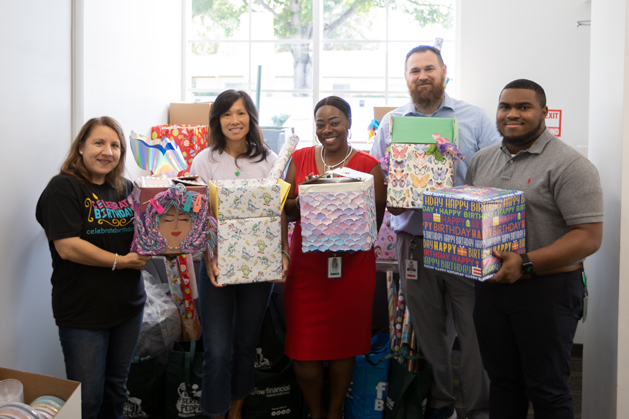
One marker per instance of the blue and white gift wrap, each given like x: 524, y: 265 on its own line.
x: 249, y: 230
x: 464, y: 224
x: 338, y: 215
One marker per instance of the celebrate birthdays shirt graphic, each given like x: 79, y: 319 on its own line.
x: 106, y: 217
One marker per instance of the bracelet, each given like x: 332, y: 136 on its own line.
x: 287, y: 255
x: 113, y: 268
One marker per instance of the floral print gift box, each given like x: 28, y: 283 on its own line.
x: 249, y: 229
x: 422, y: 155
x: 338, y: 214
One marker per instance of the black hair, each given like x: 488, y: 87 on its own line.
x: 339, y: 103
x: 424, y: 48
x: 528, y: 85
x: 254, y: 138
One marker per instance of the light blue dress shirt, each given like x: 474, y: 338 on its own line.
x: 476, y: 131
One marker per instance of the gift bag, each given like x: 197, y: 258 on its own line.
x: 145, y: 389
x: 367, y: 391
x: 276, y: 394
x: 270, y: 350
x: 183, y: 381
x: 407, y: 390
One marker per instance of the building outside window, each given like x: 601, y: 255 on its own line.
x: 289, y: 54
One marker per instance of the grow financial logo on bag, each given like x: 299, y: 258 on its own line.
x: 187, y: 406
x: 381, y: 391
x: 272, y: 391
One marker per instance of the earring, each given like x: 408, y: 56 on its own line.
x: 81, y: 153
x: 349, y: 134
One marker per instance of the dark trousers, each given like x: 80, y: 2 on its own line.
x: 525, y: 333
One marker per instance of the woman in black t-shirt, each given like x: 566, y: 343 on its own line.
x: 97, y: 289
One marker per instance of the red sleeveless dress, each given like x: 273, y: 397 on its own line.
x: 328, y: 318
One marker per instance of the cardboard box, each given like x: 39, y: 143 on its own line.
x: 414, y: 167
x: 190, y: 114
x: 176, y: 222
x: 249, y: 229
x: 338, y: 214
x: 37, y: 385
x: 464, y: 224
x: 380, y: 111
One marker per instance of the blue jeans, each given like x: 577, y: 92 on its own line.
x: 100, y: 360
x: 231, y: 318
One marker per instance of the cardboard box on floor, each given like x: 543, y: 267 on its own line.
x: 36, y: 385
x: 189, y: 114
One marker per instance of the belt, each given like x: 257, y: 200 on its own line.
x: 569, y: 268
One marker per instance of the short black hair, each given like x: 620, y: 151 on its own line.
x: 528, y: 85
x: 424, y: 48
x: 338, y: 102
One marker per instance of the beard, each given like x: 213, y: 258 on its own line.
x: 520, y: 140
x: 428, y: 98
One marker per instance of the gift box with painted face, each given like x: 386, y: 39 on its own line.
x: 249, y: 229
x: 338, y: 213
x: 171, y: 216
x: 464, y: 224
x: 421, y: 157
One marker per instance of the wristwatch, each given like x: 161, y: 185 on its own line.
x: 527, y: 265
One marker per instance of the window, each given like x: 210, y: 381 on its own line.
x: 289, y: 54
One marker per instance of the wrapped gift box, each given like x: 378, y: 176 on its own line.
x: 414, y: 167
x: 464, y: 224
x: 338, y: 214
x: 191, y: 139
x: 249, y: 229
x: 171, y: 215
x: 385, y: 243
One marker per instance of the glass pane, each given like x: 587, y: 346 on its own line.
x: 421, y: 19
x: 363, y: 20
x: 219, y: 20
x: 345, y: 68
x: 214, y: 67
x: 280, y: 19
x: 283, y: 66
x: 288, y: 110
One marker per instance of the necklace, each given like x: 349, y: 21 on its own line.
x: 341, y: 163
x: 237, y: 172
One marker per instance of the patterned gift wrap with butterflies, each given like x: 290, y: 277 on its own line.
x: 338, y: 216
x: 412, y: 172
x: 422, y: 156
x: 249, y: 230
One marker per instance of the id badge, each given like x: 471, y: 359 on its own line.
x: 411, y: 269
x: 334, y: 267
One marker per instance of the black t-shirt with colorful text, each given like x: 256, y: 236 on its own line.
x: 90, y: 297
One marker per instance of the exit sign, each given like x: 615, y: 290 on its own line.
x: 553, y: 122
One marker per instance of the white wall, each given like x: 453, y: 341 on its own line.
x: 538, y: 39
x: 606, y: 346
x: 132, y: 63
x: 130, y: 68
x: 35, y: 121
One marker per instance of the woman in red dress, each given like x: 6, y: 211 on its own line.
x: 329, y: 319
